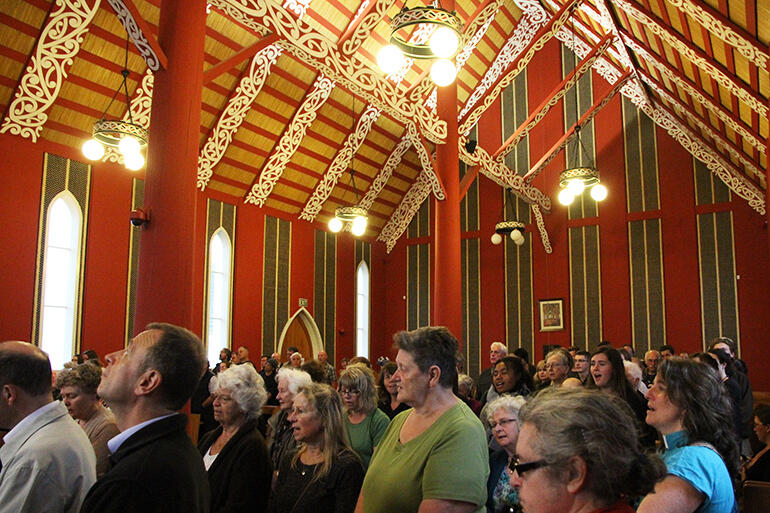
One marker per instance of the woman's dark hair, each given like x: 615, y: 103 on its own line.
x: 515, y: 365
x: 389, y: 368
x: 78, y: 358
x: 762, y: 412
x: 724, y: 340
x: 724, y: 359
x: 618, y: 381
x: 228, y: 354
x: 93, y: 357
x: 707, y: 360
x: 432, y: 345
x: 708, y: 415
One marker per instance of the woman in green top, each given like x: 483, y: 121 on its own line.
x: 364, y: 421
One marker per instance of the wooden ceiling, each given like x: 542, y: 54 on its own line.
x: 699, y: 69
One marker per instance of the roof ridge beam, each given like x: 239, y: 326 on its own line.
x: 139, y: 30
x: 227, y: 64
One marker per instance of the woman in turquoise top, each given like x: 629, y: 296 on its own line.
x: 365, y: 422
x: 690, y: 408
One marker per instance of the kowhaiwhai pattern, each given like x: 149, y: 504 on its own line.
x: 386, y: 172
x: 136, y: 34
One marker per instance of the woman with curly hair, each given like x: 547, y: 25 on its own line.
x: 690, y: 408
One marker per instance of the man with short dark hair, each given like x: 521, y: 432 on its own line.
x: 666, y: 351
x: 48, y: 464
x: 156, y: 466
x: 497, y: 350
x: 243, y: 357
x: 330, y: 375
x: 581, y: 367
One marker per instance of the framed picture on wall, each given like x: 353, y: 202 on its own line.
x: 551, y: 314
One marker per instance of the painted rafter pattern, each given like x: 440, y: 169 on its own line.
x: 427, y: 163
x: 697, y: 95
x: 57, y: 46
x: 134, y: 28
x: 539, y: 41
x: 232, y: 117
x: 581, y: 49
x: 299, y: 38
x: 141, y: 107
x: 537, y: 116
x: 341, y: 162
x: 535, y: 17
x: 402, y: 216
x: 298, y: 7
x: 290, y: 141
x: 749, y: 49
x: 699, y: 59
x: 365, y: 26
x: 394, y: 159
x: 541, y: 228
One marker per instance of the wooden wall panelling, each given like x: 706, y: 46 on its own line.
x: 324, y: 289
x: 276, y: 273
x: 134, y: 241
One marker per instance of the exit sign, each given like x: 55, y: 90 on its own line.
x: 302, y: 301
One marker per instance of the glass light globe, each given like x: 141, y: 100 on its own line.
x: 335, y: 225
x: 518, y: 239
x: 128, y: 145
x: 443, y: 72
x: 93, y: 149
x: 133, y: 161
x: 598, y: 192
x: 576, y: 186
x: 566, y: 197
x: 390, y: 59
x: 359, y: 226
x: 496, y: 239
x: 444, y: 42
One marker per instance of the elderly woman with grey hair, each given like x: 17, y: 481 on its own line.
x: 280, y: 436
x: 503, y: 419
x: 579, y: 450
x: 235, y: 453
x: 364, y: 422
x: 77, y: 386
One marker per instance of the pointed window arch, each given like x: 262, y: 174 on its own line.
x: 218, y: 300
x: 362, y: 310
x: 61, y: 273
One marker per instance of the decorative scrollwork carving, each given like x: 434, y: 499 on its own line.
x: 427, y: 163
x: 141, y: 106
x: 232, y: 117
x: 57, y: 46
x: 386, y: 172
x: 541, y: 228
x: 136, y: 34
x: 298, y: 7
x: 290, y: 141
x: 341, y: 162
x: 365, y: 27
x: 405, y: 211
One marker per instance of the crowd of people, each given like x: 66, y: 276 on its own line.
x: 576, y: 432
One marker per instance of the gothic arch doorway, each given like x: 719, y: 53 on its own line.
x: 302, y: 332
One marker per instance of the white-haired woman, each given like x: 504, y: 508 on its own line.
x: 235, y: 453
x: 365, y: 423
x: 503, y: 419
x: 280, y: 436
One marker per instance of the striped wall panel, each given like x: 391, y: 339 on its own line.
x: 716, y: 254
x: 642, y: 186
x: 418, y: 268
x: 419, y: 226
x: 515, y: 111
x: 134, y: 242
x: 325, y: 287
x: 519, y: 308
x: 363, y: 253
x: 469, y: 205
x: 59, y: 175
x: 471, y: 304
x: 585, y: 287
x: 219, y: 215
x: 275, y: 279
x: 648, y: 317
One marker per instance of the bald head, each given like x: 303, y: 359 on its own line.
x: 25, y: 366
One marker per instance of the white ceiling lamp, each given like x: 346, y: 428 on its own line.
x: 513, y: 229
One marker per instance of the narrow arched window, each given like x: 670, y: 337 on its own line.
x: 362, y: 310
x: 218, y: 307
x: 64, y: 223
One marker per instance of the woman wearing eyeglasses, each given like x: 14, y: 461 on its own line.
x: 503, y: 419
x: 578, y: 451
x: 758, y: 468
x: 364, y: 422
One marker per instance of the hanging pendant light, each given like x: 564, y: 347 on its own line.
x: 513, y: 229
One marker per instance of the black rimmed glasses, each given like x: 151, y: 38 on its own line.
x: 521, y: 468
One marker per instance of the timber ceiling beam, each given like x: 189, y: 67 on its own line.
x: 240, y: 56
x: 428, y: 164
x: 366, y: 18
x: 141, y: 33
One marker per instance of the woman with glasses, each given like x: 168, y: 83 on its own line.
x: 503, y: 419
x: 365, y: 423
x: 578, y: 451
x: 758, y: 467
x: 558, y: 363
x: 690, y: 408
x: 323, y: 475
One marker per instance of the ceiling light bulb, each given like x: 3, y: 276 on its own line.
x: 517, y: 237
x: 93, y: 149
x: 576, y: 186
x: 134, y: 161
x: 359, y: 226
x: 496, y: 239
x: 443, y: 72
x: 128, y: 145
x: 598, y: 192
x: 390, y: 59
x: 566, y: 197
x: 444, y: 42
x: 335, y: 225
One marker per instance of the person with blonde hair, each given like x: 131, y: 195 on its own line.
x: 323, y: 474
x: 279, y: 434
x: 365, y: 423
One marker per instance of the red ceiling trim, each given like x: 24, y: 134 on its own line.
x: 245, y: 53
x: 354, y: 23
x: 12, y: 54
x: 471, y: 172
x: 65, y: 129
x: 19, y: 25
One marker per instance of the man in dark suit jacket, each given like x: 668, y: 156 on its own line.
x: 156, y: 466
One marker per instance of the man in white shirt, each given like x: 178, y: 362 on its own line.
x: 48, y: 464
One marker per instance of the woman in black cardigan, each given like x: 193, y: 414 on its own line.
x: 235, y: 453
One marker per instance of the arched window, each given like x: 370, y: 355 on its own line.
x: 61, y: 269
x: 362, y: 310
x: 218, y: 301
